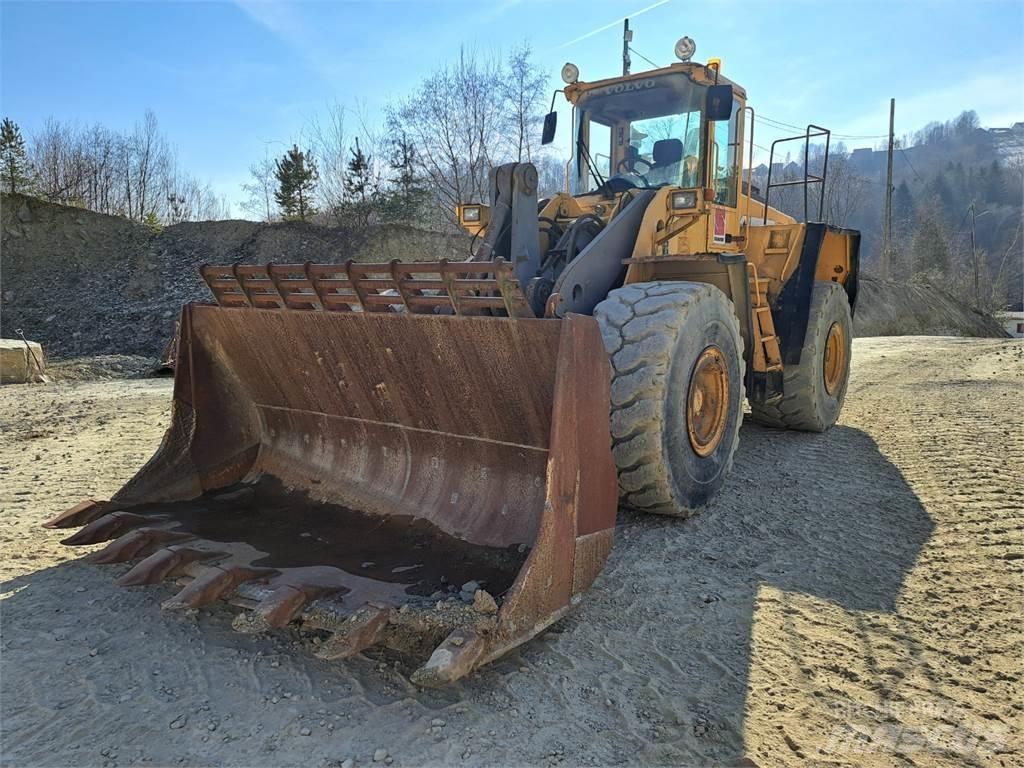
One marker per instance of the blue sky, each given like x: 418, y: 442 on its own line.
x: 228, y: 81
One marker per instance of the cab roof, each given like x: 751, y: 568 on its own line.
x: 698, y: 73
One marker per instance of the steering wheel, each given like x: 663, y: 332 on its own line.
x: 629, y: 164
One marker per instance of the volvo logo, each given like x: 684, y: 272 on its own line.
x: 633, y: 85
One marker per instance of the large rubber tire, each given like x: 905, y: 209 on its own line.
x: 806, y: 403
x: 655, y: 333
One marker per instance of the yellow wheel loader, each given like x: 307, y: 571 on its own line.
x: 429, y: 456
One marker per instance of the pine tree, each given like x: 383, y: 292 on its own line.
x: 995, y: 188
x: 903, y: 220
x: 358, y: 182
x: 902, y: 206
x: 938, y: 187
x: 296, y: 177
x: 405, y: 203
x: 16, y: 168
x: 930, y: 248
x: 359, y: 190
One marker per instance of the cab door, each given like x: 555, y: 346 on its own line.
x: 724, y: 172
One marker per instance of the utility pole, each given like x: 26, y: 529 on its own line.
x: 627, y: 38
x: 974, y: 256
x: 975, y: 263
x: 886, y: 260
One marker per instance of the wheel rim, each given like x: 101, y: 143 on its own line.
x: 835, y: 358
x: 707, y: 404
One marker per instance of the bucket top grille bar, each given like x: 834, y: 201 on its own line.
x: 425, y: 287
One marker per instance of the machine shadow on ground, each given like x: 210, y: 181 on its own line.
x: 821, y: 515
x: 654, y: 666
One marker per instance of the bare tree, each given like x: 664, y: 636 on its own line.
x: 59, y: 167
x: 845, y: 190
x: 134, y: 175
x: 149, y: 157
x: 328, y: 140
x: 523, y: 90
x: 455, y: 124
x: 100, y: 183
x: 550, y: 174
x: 260, y: 189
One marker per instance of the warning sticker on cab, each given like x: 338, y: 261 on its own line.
x: 719, y: 225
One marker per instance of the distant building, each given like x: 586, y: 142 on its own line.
x: 1013, y: 322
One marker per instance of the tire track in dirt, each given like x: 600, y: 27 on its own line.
x: 852, y: 597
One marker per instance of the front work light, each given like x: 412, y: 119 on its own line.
x: 685, y: 48
x: 570, y: 73
x: 686, y: 199
x: 471, y: 214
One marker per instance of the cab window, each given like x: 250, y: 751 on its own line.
x: 600, y: 150
x: 725, y: 152
x: 644, y: 132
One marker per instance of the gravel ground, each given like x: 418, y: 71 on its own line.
x: 851, y: 598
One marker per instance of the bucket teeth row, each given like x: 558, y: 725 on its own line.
x: 107, y: 527
x: 163, y: 564
x: 214, y: 583
x: 362, y: 629
x: 83, y: 512
x: 138, y: 543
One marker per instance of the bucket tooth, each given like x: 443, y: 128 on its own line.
x: 163, y: 564
x: 361, y: 630
x: 83, y: 512
x: 105, y: 528
x: 452, y: 659
x: 216, y: 582
x: 281, y: 606
x: 137, y: 543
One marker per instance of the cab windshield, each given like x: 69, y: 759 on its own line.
x: 641, y: 133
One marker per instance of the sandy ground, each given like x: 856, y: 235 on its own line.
x: 852, y: 598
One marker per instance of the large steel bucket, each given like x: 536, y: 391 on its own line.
x: 354, y: 470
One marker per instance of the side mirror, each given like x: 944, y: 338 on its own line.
x: 550, y: 123
x: 719, y: 103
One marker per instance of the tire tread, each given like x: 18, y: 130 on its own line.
x: 640, y: 324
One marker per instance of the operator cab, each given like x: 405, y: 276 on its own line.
x: 654, y: 131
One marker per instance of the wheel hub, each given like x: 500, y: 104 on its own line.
x: 834, y: 368
x: 707, y: 403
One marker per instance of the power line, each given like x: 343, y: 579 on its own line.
x: 773, y: 122
x: 653, y: 64
x: 779, y: 123
x: 905, y: 157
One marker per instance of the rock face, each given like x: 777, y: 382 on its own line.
x: 88, y: 284
x: 20, y: 361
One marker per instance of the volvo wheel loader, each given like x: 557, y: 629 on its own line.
x: 430, y: 456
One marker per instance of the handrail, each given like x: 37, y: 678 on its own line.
x: 809, y: 178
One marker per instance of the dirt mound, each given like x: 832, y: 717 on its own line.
x: 888, y: 308
x: 102, y: 367
x: 84, y: 283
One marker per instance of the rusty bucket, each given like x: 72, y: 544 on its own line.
x: 441, y: 484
